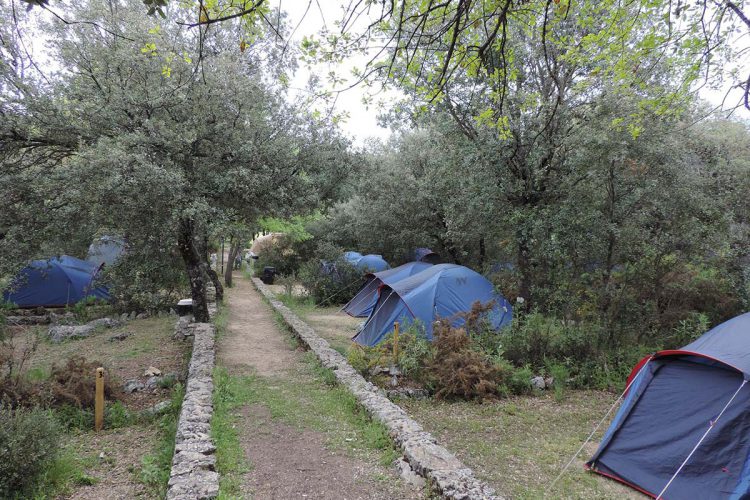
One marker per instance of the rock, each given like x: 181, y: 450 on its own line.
x: 172, y: 312
x: 58, y: 333
x: 120, y: 336
x: 407, y: 392
x: 132, y: 386
x: 158, y: 408
x: 132, y: 315
x: 549, y: 382
x: 538, y: 383
x: 376, y: 370
x: 143, y: 315
x: 408, y: 475
x: 152, y: 382
x: 152, y: 371
x: 124, y: 317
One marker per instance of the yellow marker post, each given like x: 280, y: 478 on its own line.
x: 395, y: 343
x: 99, y: 400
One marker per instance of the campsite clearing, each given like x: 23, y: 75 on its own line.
x: 518, y: 445
x: 131, y: 457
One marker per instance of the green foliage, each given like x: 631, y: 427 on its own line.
x: 156, y: 466
x: 333, y: 283
x: 560, y: 374
x: 29, y: 443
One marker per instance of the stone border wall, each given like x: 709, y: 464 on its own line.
x: 446, y: 474
x: 194, y: 475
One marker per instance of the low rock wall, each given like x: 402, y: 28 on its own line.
x: 446, y: 474
x: 194, y: 475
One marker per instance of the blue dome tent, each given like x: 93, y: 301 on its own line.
x: 362, y: 304
x: 440, y: 291
x: 105, y: 250
x: 352, y: 257
x: 426, y: 255
x: 55, y: 282
x: 371, y: 263
x: 681, y: 431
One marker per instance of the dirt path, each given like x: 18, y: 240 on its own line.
x: 253, y: 341
x: 299, y: 439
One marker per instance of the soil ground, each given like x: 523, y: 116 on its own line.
x: 111, y: 462
x: 301, y: 438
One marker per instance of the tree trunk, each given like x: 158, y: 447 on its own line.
x: 192, y: 260
x: 214, y: 277
x: 201, y: 245
x: 234, y: 249
x: 524, y: 269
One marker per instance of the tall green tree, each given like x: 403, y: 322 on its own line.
x: 148, y: 139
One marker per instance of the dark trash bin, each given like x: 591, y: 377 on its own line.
x: 268, y: 275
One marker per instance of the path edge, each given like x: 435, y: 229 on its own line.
x: 446, y: 474
x: 193, y: 475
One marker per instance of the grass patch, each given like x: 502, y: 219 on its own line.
x: 221, y: 320
x: 229, y: 393
x: 156, y: 467
x: 520, y: 444
x: 309, y: 398
x: 62, y: 475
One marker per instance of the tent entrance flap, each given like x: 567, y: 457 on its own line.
x: 665, y: 422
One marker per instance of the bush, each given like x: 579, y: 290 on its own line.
x: 74, y: 383
x: 333, y: 283
x: 458, y: 371
x: 281, y: 254
x: 29, y: 442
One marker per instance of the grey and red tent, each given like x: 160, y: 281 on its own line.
x: 683, y: 430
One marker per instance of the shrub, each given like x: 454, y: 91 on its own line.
x: 74, y: 383
x: 458, y: 371
x: 29, y: 442
x: 332, y: 283
x: 281, y: 254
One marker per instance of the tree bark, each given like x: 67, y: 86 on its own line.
x: 192, y: 260
x: 201, y: 245
x: 234, y: 249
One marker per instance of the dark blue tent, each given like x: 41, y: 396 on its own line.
x: 106, y: 250
x: 440, y: 291
x: 55, y: 282
x: 686, y: 419
x: 426, y: 255
x: 371, y: 263
x: 362, y: 304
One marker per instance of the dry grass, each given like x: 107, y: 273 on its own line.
x: 519, y: 445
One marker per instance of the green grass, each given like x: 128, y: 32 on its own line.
x: 156, y: 466
x: 519, y: 445
x: 308, y: 399
x: 62, y: 475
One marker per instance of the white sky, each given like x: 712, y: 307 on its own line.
x: 363, y: 123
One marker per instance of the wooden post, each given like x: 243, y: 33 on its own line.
x: 395, y: 343
x: 99, y: 400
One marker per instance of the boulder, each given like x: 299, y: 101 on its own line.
x: 132, y: 386
x: 538, y: 383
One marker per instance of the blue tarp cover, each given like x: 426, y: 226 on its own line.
x: 362, y: 304
x: 674, y: 398
x: 440, y: 291
x: 55, y: 282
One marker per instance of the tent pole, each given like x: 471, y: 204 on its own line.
x: 711, y: 425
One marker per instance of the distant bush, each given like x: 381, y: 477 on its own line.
x: 332, y: 282
x: 283, y: 254
x: 29, y: 443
